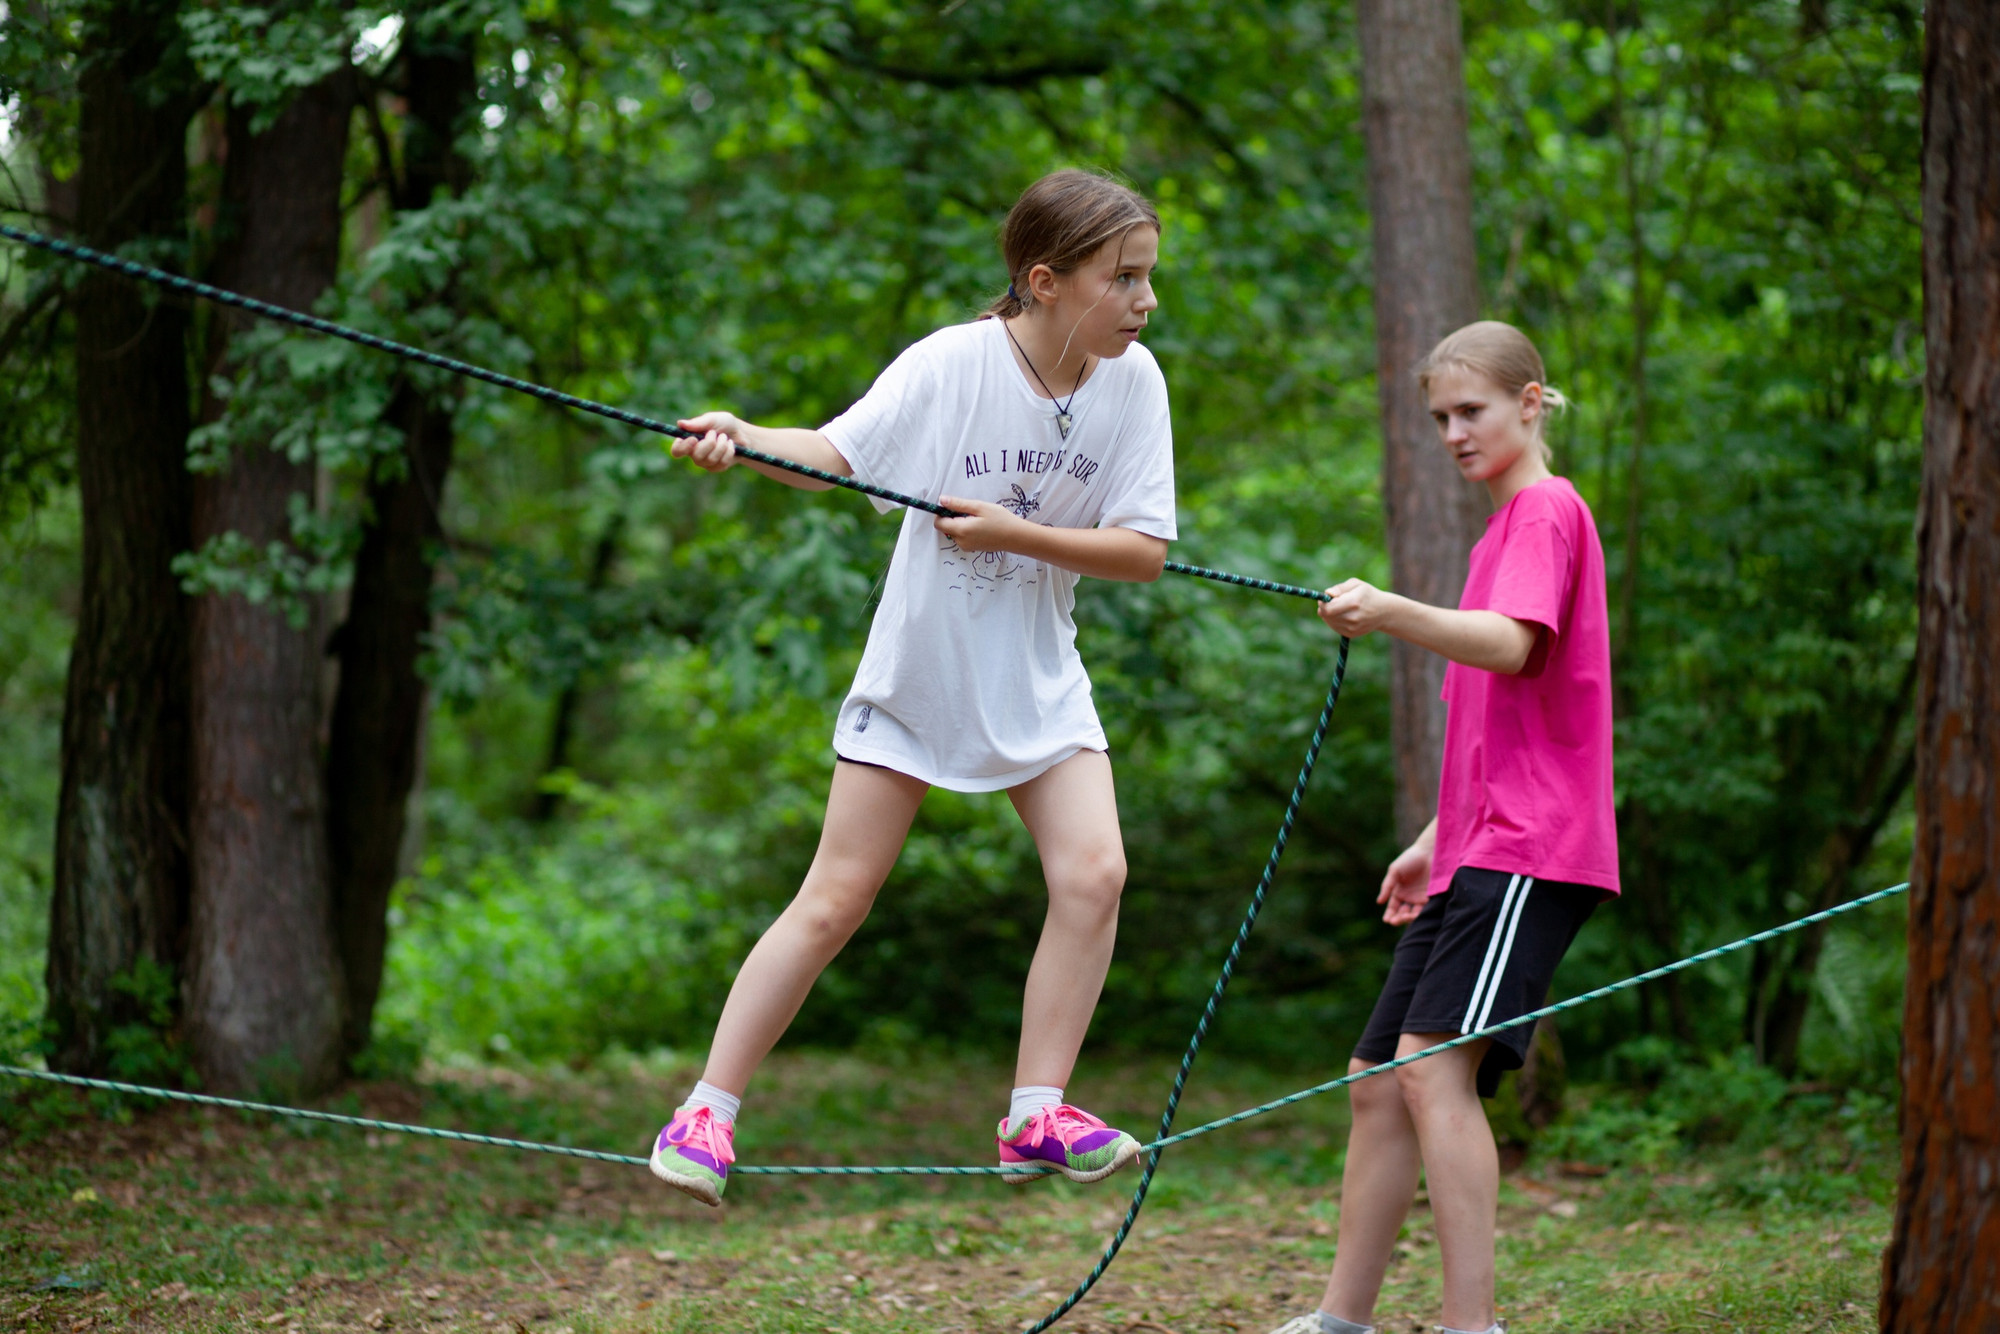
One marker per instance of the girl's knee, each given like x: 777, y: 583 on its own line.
x: 832, y: 908
x: 1093, y: 882
x: 1378, y: 1096
x: 1433, y: 1082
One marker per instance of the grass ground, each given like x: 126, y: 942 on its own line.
x: 189, y: 1219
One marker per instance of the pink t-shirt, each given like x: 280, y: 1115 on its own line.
x: 1526, y: 785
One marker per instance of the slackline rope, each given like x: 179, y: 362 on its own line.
x: 1152, y: 1150
x: 1164, y: 1137
x: 222, y: 296
x: 567, y: 1151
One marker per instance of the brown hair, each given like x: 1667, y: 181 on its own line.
x: 1501, y: 353
x: 1061, y: 221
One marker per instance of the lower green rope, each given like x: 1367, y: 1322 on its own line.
x: 1153, y: 1149
x: 1261, y: 1109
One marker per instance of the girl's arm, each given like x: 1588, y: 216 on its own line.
x: 1483, y: 639
x: 1102, y: 553
x: 721, y: 432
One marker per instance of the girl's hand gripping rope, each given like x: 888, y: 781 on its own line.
x: 981, y: 525
x: 1100, y: 553
x: 714, y: 440
x: 1355, y: 607
x: 713, y: 446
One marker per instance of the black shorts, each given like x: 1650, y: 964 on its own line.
x: 1480, y: 953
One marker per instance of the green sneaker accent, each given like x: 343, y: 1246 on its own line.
x: 693, y: 1154
x: 1066, y: 1138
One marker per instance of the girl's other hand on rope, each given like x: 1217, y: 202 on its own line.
x: 1406, y: 887
x: 983, y: 525
x: 1355, y: 608
x: 714, y: 447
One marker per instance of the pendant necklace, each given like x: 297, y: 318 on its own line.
x: 1063, y: 419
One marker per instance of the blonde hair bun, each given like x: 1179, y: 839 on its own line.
x: 1497, y: 351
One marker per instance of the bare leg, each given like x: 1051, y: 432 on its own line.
x: 1072, y: 811
x: 1376, y: 1188
x: 868, y: 814
x: 1462, y: 1167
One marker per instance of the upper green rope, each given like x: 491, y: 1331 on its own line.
x: 222, y: 296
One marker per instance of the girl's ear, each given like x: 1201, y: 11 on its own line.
x: 1042, y: 283
x: 1531, y: 403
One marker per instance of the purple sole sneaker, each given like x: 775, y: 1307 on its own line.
x: 693, y: 1154
x: 1065, y: 1138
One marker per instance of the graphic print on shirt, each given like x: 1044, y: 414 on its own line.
x: 1021, y: 503
x: 985, y: 571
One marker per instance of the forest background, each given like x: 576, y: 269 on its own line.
x: 1704, y: 212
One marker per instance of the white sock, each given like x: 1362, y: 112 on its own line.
x: 1495, y: 1328
x: 1029, y: 1099
x: 724, y: 1104
x: 1330, y: 1323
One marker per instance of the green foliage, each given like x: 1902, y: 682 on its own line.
x: 145, y: 1050
x: 317, y: 560
x: 36, y: 570
x: 1705, y: 215
x: 262, y: 54
x: 1736, y: 1107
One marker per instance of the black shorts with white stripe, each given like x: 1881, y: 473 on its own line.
x: 1480, y: 953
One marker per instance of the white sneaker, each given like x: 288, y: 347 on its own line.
x: 1310, y: 1323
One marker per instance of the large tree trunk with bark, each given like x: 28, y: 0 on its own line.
x: 265, y: 991
x: 1942, y: 1270
x: 378, y: 713
x: 1426, y: 285
x: 120, y: 901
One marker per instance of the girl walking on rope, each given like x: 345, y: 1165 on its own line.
x: 1044, y: 424
x: 1521, y: 850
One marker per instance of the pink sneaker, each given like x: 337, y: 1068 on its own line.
x: 694, y: 1152
x: 1068, y: 1139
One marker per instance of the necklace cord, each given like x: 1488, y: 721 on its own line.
x: 1062, y: 408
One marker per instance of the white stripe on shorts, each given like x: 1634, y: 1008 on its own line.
x: 1497, y: 951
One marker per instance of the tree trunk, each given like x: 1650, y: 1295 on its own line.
x: 1426, y: 285
x: 1884, y: 778
x: 1942, y: 1270
x: 378, y: 711
x: 562, y: 727
x: 120, y: 901
x: 265, y: 994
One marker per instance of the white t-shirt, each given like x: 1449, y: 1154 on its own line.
x: 971, y: 679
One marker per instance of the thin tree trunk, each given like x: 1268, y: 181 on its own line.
x: 378, y: 714
x: 1426, y: 285
x: 265, y: 993
x: 1942, y: 1270
x: 120, y: 900
x: 1628, y: 580
x: 376, y: 736
x: 1882, y: 779
x: 563, y: 726
x: 1846, y: 849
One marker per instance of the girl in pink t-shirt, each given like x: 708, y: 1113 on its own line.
x: 1523, y: 846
